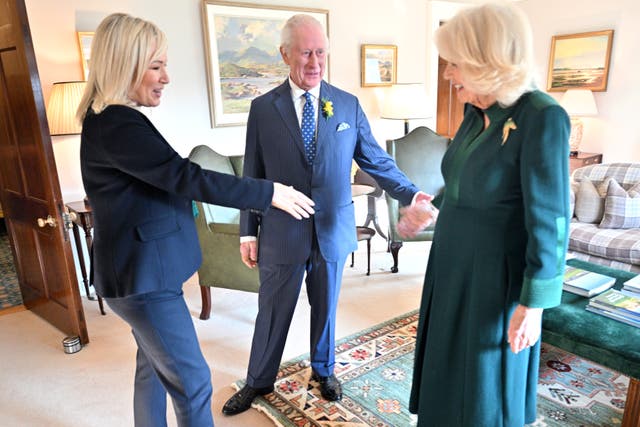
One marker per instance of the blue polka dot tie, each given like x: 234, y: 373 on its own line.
x: 308, y: 128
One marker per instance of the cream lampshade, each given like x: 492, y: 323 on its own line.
x: 406, y: 101
x: 61, y: 109
x: 578, y: 103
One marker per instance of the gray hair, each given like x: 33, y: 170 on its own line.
x: 492, y: 45
x: 294, y: 22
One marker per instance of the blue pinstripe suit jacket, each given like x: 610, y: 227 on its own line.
x: 275, y: 151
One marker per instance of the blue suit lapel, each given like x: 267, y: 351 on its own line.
x: 324, y: 124
x: 284, y: 106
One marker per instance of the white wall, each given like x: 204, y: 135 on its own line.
x: 183, y: 116
x: 615, y: 131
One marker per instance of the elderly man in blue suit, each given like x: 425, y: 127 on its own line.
x: 305, y: 133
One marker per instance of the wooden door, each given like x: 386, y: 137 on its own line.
x: 450, y: 110
x: 29, y: 187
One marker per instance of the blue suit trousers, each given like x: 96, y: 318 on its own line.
x: 169, y: 360
x: 279, y: 291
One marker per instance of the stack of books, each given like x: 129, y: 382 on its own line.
x: 632, y: 287
x: 618, y: 306
x: 585, y: 283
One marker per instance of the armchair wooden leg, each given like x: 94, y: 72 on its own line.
x: 395, y: 248
x: 205, y: 291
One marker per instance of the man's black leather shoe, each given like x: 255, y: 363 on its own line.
x: 330, y: 387
x: 241, y: 401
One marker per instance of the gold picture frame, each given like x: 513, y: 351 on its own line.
x: 84, y: 44
x: 242, y: 54
x: 580, y: 61
x: 379, y: 65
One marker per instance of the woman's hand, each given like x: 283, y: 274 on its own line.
x: 291, y: 201
x: 524, y: 328
x: 416, y: 217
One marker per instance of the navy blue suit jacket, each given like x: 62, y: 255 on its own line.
x: 140, y: 192
x: 275, y: 151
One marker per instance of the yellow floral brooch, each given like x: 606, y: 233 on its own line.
x: 508, y: 125
x: 327, y: 108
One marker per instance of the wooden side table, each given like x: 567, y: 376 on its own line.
x: 84, y: 219
x: 583, y: 159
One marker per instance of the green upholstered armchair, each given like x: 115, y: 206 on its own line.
x: 418, y: 154
x: 219, y: 233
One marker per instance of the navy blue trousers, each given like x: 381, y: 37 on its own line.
x: 280, y: 286
x: 169, y: 360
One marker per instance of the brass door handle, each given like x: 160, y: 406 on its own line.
x: 50, y: 221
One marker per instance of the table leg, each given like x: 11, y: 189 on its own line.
x: 83, y: 270
x: 88, y: 239
x: 372, y: 216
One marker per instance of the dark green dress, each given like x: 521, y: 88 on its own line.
x: 500, y: 240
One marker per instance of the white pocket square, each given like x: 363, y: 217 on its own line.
x: 342, y: 126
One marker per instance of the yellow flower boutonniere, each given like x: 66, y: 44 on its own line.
x: 508, y: 125
x: 327, y: 108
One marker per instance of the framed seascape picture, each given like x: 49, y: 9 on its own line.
x: 580, y: 61
x: 84, y: 44
x: 379, y: 64
x: 242, y: 54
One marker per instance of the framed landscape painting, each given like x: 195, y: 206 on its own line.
x: 580, y: 61
x: 84, y: 44
x: 379, y: 64
x: 242, y: 55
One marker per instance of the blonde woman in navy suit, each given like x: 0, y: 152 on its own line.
x: 316, y: 248
x: 145, y: 244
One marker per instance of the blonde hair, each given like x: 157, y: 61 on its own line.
x: 122, y: 49
x: 492, y: 45
x: 293, y: 23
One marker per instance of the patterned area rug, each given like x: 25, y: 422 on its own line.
x: 9, y: 288
x: 375, y: 368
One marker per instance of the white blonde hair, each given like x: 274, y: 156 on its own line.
x: 123, y: 47
x: 492, y: 46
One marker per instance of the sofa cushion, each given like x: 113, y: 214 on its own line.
x: 622, y: 245
x: 573, y: 189
x: 589, y: 205
x: 621, y: 209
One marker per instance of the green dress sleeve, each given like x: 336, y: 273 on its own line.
x: 544, y: 173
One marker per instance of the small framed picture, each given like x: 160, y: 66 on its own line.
x: 84, y: 43
x: 379, y: 64
x: 580, y: 61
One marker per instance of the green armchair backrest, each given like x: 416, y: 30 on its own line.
x: 219, y: 233
x: 418, y: 154
x: 209, y: 159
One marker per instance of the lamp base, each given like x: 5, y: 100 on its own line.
x: 576, y: 136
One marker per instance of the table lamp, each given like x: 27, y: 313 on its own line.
x: 578, y: 103
x: 406, y: 101
x: 61, y: 109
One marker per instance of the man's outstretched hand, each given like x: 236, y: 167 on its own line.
x: 417, y: 217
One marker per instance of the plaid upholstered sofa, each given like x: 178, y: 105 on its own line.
x: 605, y: 228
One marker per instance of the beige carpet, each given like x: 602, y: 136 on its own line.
x: 43, y: 386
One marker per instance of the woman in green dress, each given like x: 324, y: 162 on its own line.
x: 498, y: 253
